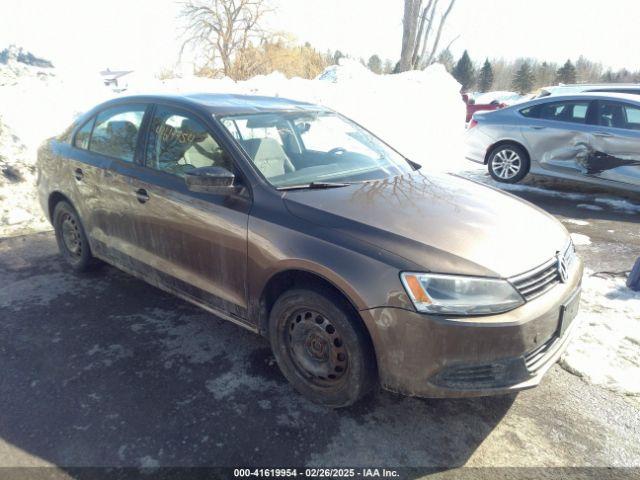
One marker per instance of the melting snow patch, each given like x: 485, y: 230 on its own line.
x: 619, y: 204
x: 579, y: 239
x: 606, y: 349
x: 587, y: 206
x: 575, y: 222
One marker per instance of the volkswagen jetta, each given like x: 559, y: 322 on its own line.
x: 292, y: 221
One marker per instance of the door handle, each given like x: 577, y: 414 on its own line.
x: 537, y: 127
x: 78, y: 173
x: 603, y: 134
x: 142, y: 195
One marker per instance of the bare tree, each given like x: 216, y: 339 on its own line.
x: 409, y: 33
x: 422, y: 32
x: 223, y: 29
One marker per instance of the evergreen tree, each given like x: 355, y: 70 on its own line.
x: 567, y: 73
x: 523, y: 79
x: 337, y: 56
x: 463, y: 72
x: 375, y: 64
x: 485, y: 79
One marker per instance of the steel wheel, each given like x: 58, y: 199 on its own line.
x: 321, y: 346
x: 507, y: 164
x: 71, y: 236
x: 316, y: 348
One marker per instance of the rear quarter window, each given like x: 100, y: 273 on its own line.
x: 529, y: 112
x: 84, y: 135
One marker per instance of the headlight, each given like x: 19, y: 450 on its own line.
x: 457, y: 295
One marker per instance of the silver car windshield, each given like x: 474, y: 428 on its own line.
x: 302, y: 148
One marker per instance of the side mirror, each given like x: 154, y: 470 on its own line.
x: 214, y: 180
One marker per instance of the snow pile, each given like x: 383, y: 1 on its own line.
x: 606, y: 349
x: 17, y: 64
x: 19, y: 208
x: 33, y: 108
x: 416, y: 112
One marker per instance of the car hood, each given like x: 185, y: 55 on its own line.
x: 441, y: 223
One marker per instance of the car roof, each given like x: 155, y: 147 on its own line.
x: 625, y: 97
x: 221, y: 104
x: 592, y: 85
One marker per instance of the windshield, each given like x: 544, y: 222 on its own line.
x: 302, y: 148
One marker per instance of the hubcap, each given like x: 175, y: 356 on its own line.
x: 71, y: 235
x: 316, y: 348
x: 506, y: 164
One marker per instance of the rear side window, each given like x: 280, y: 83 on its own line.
x: 116, y: 130
x: 84, y: 135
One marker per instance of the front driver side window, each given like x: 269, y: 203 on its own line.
x: 619, y: 115
x: 179, y: 143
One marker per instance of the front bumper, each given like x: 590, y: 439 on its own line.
x: 430, y: 356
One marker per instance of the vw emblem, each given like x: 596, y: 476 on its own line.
x: 563, y: 270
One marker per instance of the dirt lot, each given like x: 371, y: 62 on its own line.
x: 106, y: 370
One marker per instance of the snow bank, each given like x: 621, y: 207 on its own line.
x: 416, y: 112
x: 19, y: 209
x: 34, y: 107
x: 606, y: 349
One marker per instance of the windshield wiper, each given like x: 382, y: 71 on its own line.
x: 314, y: 185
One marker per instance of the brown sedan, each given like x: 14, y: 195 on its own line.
x: 294, y: 222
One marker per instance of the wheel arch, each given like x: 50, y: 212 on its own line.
x: 506, y: 142
x: 56, y: 197
x: 286, y: 279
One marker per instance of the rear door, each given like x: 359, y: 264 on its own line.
x: 616, y: 152
x: 109, y: 136
x: 115, y: 135
x: 559, y: 135
x: 194, y: 244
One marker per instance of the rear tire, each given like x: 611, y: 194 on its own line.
x: 321, y: 348
x: 508, y: 163
x: 72, y: 240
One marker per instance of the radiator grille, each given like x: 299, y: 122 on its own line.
x: 541, y: 279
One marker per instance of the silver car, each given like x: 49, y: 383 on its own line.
x: 575, y: 89
x: 590, y: 137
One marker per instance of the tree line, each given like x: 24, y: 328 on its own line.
x: 526, y: 75
x: 229, y: 39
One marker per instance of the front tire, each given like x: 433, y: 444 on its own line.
x: 71, y: 238
x: 508, y: 163
x: 321, y: 348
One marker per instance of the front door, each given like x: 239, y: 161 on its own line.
x: 616, y: 149
x: 558, y: 135
x: 194, y: 244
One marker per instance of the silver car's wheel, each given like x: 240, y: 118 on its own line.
x: 508, y: 163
